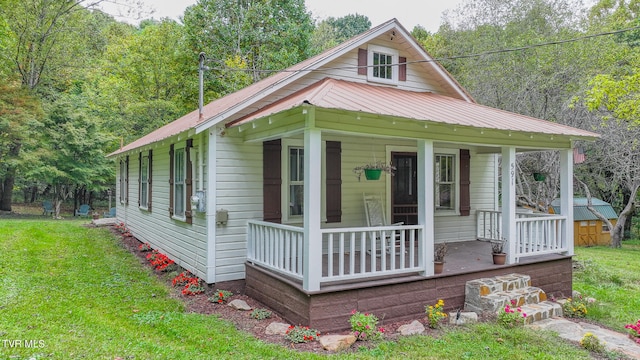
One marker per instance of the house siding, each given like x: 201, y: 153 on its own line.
x: 184, y: 243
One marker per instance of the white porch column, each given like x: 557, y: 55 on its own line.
x: 566, y: 198
x: 426, y: 206
x: 509, y: 201
x: 312, y: 257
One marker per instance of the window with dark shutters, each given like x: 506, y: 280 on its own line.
x: 149, y: 187
x: 465, y: 181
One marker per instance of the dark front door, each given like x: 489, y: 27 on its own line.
x: 404, y: 188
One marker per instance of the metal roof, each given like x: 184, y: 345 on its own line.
x: 351, y: 96
x: 581, y: 213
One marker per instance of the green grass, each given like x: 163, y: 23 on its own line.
x: 612, y: 277
x: 80, y: 295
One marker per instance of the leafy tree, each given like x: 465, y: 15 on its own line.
x: 333, y: 31
x: 19, y: 114
x: 73, y: 156
x: 264, y: 35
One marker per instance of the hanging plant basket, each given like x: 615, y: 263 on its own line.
x: 372, y: 174
x: 539, y: 177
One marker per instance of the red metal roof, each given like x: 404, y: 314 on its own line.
x: 344, y: 95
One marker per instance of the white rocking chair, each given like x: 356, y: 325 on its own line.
x: 375, y: 215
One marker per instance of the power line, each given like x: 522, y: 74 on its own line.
x: 456, y: 57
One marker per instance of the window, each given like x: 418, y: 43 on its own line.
x: 445, y: 182
x: 382, y: 64
x: 124, y: 178
x: 296, y: 181
x: 292, y: 185
x: 605, y: 228
x: 144, y: 200
x: 179, y: 188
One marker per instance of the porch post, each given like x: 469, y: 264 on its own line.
x: 566, y: 199
x: 312, y: 256
x: 509, y: 201
x: 425, y: 206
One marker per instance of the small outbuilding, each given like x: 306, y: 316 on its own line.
x: 588, y: 230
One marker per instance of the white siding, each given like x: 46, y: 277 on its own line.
x: 239, y: 191
x: 184, y: 243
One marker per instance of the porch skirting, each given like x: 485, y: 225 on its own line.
x: 391, y: 299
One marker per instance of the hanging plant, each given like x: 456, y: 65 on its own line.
x: 373, y: 170
x: 539, y: 176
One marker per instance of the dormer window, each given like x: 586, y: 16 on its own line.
x: 382, y: 65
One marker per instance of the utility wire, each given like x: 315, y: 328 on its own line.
x: 457, y: 57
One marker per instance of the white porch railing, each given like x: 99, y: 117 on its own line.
x: 536, y: 234
x: 347, y: 253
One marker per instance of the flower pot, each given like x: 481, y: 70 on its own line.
x: 438, y: 266
x: 372, y: 174
x: 539, y: 177
x: 499, y: 259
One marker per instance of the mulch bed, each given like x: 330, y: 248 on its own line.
x: 241, y: 319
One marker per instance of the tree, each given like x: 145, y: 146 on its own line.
x: 73, y: 156
x: 333, y: 31
x: 264, y: 35
x: 19, y: 113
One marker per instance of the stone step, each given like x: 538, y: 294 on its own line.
x: 486, y: 286
x: 498, y: 300
x: 541, y: 311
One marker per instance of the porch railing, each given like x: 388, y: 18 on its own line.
x: 536, y: 234
x: 347, y: 253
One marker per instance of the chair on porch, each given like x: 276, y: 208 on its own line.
x: 374, y: 213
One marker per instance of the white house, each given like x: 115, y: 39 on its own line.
x: 279, y: 206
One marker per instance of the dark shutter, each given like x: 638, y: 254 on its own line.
x: 139, y: 178
x: 334, y: 182
x: 189, y: 182
x: 402, y: 68
x: 362, y: 61
x: 465, y: 199
x: 171, y: 164
x: 126, y: 199
x: 272, y: 180
x: 149, y: 180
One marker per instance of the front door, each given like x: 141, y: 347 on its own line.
x: 404, y: 188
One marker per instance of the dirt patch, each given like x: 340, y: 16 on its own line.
x: 242, y: 319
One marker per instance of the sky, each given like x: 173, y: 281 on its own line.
x: 409, y: 12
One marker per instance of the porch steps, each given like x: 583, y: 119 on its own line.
x: 493, y: 294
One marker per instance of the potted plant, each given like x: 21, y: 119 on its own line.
x: 373, y: 170
x: 438, y: 257
x: 497, y: 250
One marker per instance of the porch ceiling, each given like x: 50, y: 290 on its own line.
x: 345, y: 106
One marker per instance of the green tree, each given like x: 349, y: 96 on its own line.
x: 19, y: 114
x: 264, y: 35
x: 72, y: 156
x: 333, y: 31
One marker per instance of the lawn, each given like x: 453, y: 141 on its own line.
x: 68, y: 292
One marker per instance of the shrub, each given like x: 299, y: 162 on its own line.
x: 435, y: 314
x: 260, y: 314
x: 220, y: 296
x: 634, y: 331
x: 299, y: 334
x: 592, y: 343
x: 575, y: 307
x: 364, y: 326
x: 509, y: 318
